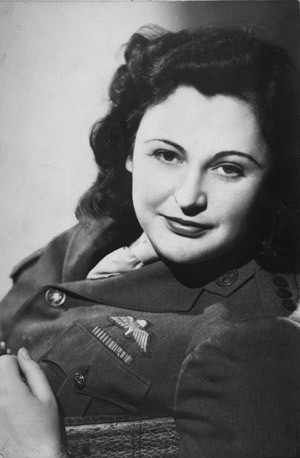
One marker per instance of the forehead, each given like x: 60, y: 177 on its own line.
x: 191, y: 119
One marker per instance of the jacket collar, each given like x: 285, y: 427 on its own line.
x: 231, y: 281
x: 153, y: 288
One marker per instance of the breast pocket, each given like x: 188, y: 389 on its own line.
x: 88, y: 369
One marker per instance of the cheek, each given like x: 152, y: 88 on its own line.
x: 148, y: 189
x: 240, y: 208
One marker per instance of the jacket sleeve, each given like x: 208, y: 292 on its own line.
x: 238, y: 392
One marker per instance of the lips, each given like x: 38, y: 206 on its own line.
x: 185, y: 227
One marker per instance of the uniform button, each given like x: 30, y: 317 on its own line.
x: 79, y: 380
x: 227, y: 279
x: 55, y: 297
x: 284, y: 293
x: 280, y: 281
x: 289, y: 304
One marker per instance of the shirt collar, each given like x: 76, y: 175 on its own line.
x: 91, y: 241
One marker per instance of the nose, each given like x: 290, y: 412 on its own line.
x: 190, y: 194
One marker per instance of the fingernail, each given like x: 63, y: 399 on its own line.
x: 24, y: 353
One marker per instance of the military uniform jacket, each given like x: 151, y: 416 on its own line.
x: 222, y: 358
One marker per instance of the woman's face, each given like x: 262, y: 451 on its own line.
x: 198, y: 169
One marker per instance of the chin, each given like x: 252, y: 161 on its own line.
x: 181, y: 256
x: 191, y: 254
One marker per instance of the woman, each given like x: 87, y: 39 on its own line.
x: 197, y: 318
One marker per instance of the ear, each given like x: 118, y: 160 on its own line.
x: 128, y: 163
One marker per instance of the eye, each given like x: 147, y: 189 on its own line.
x: 229, y: 170
x: 168, y: 157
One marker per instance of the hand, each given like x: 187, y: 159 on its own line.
x: 29, y: 419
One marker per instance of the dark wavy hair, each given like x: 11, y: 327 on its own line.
x: 214, y: 60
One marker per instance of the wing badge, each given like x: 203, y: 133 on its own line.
x: 134, y: 329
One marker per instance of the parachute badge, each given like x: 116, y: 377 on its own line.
x: 134, y: 329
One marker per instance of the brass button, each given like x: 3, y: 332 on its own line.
x: 284, y: 293
x: 280, y: 281
x: 79, y: 380
x: 289, y: 304
x: 227, y: 279
x: 55, y: 297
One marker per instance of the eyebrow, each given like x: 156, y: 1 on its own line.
x: 168, y: 142
x: 219, y: 155
x: 240, y: 154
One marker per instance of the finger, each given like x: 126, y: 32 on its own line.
x: 35, y: 377
x: 9, y: 372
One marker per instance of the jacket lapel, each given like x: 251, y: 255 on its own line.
x: 151, y: 288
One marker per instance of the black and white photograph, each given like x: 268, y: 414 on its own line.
x: 150, y: 230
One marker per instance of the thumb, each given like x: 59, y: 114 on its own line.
x: 35, y: 377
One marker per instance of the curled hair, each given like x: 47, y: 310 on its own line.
x: 214, y: 60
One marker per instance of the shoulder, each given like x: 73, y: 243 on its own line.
x: 252, y: 342
x: 60, y: 243
x: 255, y: 339
x: 71, y: 244
x: 255, y: 322
x: 238, y: 391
